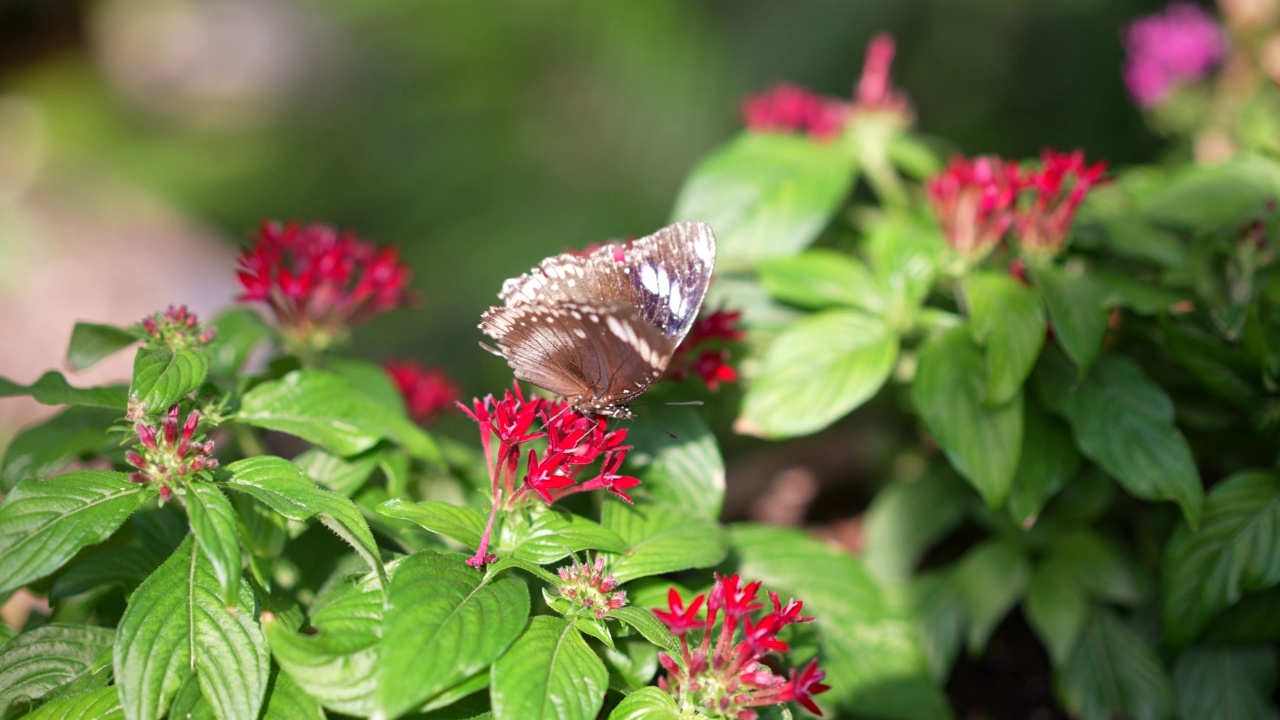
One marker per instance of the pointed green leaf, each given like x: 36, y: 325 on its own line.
x: 176, y: 621
x: 443, y: 624
x: 550, y: 673
x: 766, y: 195
x: 101, y: 704
x: 43, y: 523
x: 337, y: 661
x: 52, y: 389
x: 822, y: 278
x: 648, y: 703
x: 40, y: 661
x: 281, y: 485
x: 213, y: 520
x: 1048, y: 460
x: 1236, y: 550
x: 648, y: 625
x: 992, y: 577
x: 344, y: 476
x: 455, y: 522
x: 546, y: 535
x: 1205, y: 199
x: 1077, y: 308
x: 286, y: 700
x: 327, y: 410
x: 1124, y: 422
x: 1113, y: 673
x: 240, y: 330
x: 816, y: 372
x: 42, y: 451
x: 661, y: 539
x: 91, y: 342
x: 1007, y: 318
x: 1056, y: 608
x: 1226, y: 683
x: 905, y: 253
x: 983, y: 443
x: 686, y: 470
x: 162, y: 376
x: 934, y: 601
x: 874, y: 661
x: 906, y: 518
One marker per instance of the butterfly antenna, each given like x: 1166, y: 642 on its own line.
x: 661, y: 429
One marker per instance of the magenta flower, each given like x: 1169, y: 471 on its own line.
x: 427, y: 392
x: 590, y: 587
x: 171, y: 452
x: 1180, y: 45
x: 1052, y: 194
x: 973, y: 201
x: 703, y: 351
x: 788, y: 108
x: 177, y: 328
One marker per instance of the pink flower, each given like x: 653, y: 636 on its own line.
x: 591, y: 587
x: 319, y: 282
x: 1180, y: 45
x: 703, y: 351
x: 973, y: 201
x: 177, y: 328
x: 171, y: 452
x: 789, y: 108
x: 1052, y: 194
x: 875, y: 89
x: 722, y: 671
x: 427, y: 392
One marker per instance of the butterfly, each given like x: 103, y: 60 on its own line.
x: 600, y: 329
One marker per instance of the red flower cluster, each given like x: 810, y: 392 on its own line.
x: 788, y: 108
x: 320, y: 282
x: 728, y: 678
x: 702, y: 351
x: 874, y: 90
x: 177, y: 328
x: 978, y: 200
x: 427, y: 392
x: 573, y: 443
x: 591, y: 587
x: 171, y: 452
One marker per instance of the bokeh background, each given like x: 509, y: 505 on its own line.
x: 142, y: 140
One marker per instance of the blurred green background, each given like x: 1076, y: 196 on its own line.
x: 480, y: 137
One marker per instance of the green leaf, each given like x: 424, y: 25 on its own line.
x: 821, y: 279
x: 1047, y: 461
x: 101, y: 704
x: 648, y: 703
x: 549, y: 672
x: 40, y: 661
x: 649, y: 626
x: 43, y: 523
x: 344, y: 476
x: 336, y: 663
x: 1217, y: 198
x: 240, y: 331
x: 1007, y: 318
x: 1112, y: 673
x: 874, y: 661
x: 1077, y: 308
x: 213, y: 521
x: 992, y: 576
x: 369, y: 378
x: 287, y: 490
x: 983, y: 443
x: 43, y: 450
x: 906, y: 518
x: 456, y: 522
x: 91, y: 342
x: 1222, y: 683
x: 52, y: 389
x: 661, y: 539
x: 905, y: 253
x: 1056, y: 608
x: 546, y: 535
x: 329, y: 411
x: 162, y: 376
x: 1124, y: 422
x: 686, y: 470
x: 442, y: 625
x: 175, y: 622
x: 816, y: 372
x: 1236, y: 550
x: 934, y: 601
x: 766, y: 195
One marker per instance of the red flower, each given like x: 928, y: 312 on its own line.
x: 170, y: 453
x: 875, y: 90
x: 721, y: 671
x: 591, y: 587
x: 712, y: 364
x: 1054, y: 192
x: 973, y: 201
x: 427, y: 392
x: 320, y: 282
x: 177, y: 328
x: 788, y: 108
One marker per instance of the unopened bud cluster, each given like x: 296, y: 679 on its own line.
x: 591, y: 587
x: 171, y: 452
x: 177, y: 328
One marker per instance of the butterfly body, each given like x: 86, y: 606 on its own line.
x: 600, y: 329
